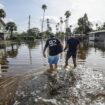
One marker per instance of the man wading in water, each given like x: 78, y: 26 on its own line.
x: 72, y: 46
x: 54, y: 46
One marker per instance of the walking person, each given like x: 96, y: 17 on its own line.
x: 55, y: 47
x: 72, y: 45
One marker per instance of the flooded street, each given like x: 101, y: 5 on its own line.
x: 23, y: 76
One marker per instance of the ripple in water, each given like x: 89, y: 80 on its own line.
x: 79, y: 86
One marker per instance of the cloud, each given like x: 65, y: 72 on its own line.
x: 1, y: 6
x: 52, y: 19
x: 94, y: 8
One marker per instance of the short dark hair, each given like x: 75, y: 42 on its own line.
x: 52, y: 35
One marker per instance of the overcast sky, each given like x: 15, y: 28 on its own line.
x: 19, y: 10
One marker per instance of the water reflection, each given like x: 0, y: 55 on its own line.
x: 12, y: 52
x: 89, y: 48
x: 29, y: 54
x: 82, y: 85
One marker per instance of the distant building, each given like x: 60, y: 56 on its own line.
x: 97, y: 35
x: 3, y: 34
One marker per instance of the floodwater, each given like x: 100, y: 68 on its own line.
x: 26, y: 56
x: 24, y: 62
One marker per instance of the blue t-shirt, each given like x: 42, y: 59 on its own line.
x: 52, y: 43
x: 72, y: 43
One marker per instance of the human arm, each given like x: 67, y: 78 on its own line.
x: 66, y: 47
x: 45, y: 47
x: 78, y: 46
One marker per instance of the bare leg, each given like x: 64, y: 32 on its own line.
x: 66, y: 61
x: 56, y: 66
x: 51, y: 66
x: 74, y: 62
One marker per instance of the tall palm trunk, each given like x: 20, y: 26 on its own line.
x: 43, y: 21
x: 42, y: 30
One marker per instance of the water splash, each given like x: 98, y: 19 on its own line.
x: 79, y: 86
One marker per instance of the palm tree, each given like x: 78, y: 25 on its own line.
x: 48, y: 24
x: 11, y: 26
x: 61, y: 21
x: 67, y: 14
x: 2, y: 13
x: 44, y: 7
x: 70, y: 28
x: 58, y: 26
x: 96, y: 26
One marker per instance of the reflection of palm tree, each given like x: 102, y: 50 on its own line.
x: 13, y: 53
x: 31, y: 44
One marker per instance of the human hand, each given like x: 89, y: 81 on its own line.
x: 44, y: 55
x: 64, y: 50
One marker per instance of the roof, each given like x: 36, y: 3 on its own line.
x: 100, y: 31
x: 2, y: 22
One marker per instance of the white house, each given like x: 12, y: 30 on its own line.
x: 3, y: 33
x: 97, y: 35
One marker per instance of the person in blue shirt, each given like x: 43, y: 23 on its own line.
x: 71, y: 46
x: 53, y: 44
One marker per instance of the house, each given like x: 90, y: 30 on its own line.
x: 97, y: 35
x: 3, y: 33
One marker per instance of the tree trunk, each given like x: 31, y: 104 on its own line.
x: 42, y: 21
x: 11, y: 36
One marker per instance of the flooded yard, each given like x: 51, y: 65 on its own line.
x: 23, y: 76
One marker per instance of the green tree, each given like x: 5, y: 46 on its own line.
x: 34, y: 32
x: 61, y: 22
x: 84, y: 25
x: 96, y: 26
x: 56, y: 28
x: 2, y: 13
x: 103, y: 26
x: 67, y: 14
x: 44, y: 7
x: 11, y: 26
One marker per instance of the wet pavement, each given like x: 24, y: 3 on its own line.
x: 79, y: 86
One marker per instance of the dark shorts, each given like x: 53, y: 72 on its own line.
x: 69, y: 54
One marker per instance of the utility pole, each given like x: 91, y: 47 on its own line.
x: 29, y: 22
x: 30, y: 57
